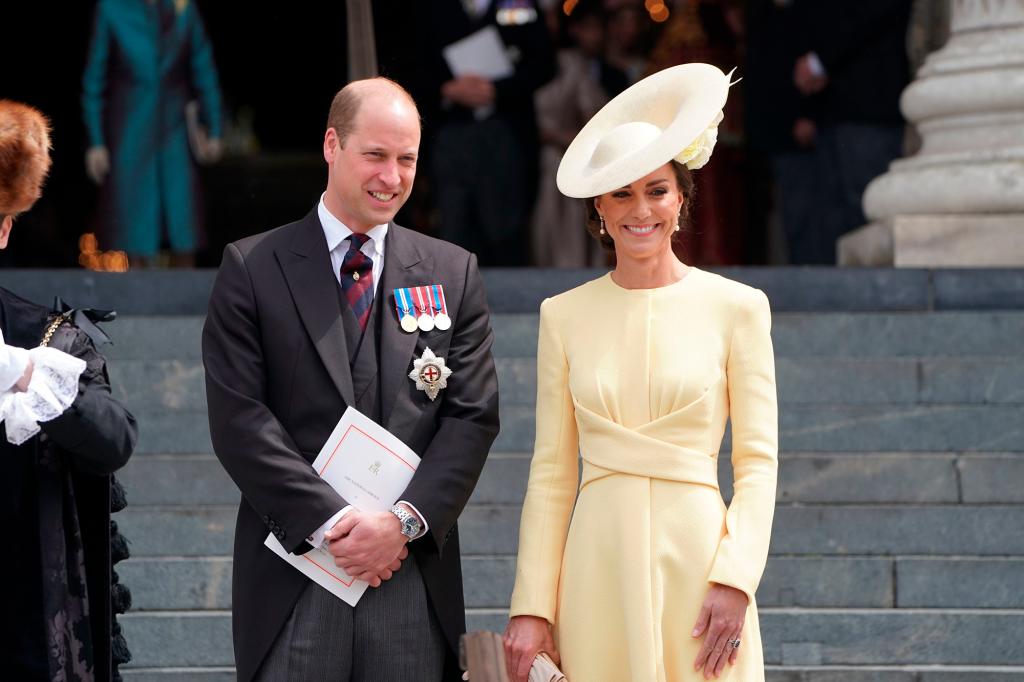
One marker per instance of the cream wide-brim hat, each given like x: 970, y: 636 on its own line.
x: 670, y: 115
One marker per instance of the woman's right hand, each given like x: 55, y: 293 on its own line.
x: 26, y: 378
x: 525, y: 637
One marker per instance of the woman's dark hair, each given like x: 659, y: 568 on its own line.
x: 684, y: 181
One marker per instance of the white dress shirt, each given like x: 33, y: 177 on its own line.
x: 337, y: 234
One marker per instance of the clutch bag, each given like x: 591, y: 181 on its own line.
x: 545, y: 670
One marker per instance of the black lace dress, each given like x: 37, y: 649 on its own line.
x: 56, y: 496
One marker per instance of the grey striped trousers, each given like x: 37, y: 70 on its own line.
x: 391, y: 635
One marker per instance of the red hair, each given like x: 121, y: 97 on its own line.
x: 24, y: 156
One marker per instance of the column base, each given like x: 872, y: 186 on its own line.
x: 948, y: 241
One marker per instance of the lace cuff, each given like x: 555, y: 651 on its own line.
x: 52, y: 389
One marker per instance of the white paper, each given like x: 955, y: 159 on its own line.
x: 370, y: 468
x: 481, y: 54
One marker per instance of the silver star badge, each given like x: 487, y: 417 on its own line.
x: 430, y: 373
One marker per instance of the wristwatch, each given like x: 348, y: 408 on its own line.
x: 411, y: 525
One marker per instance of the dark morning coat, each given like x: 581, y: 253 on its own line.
x: 55, y: 503
x: 278, y: 378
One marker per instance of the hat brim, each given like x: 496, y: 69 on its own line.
x: 682, y: 101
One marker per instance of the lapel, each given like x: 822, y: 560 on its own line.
x: 307, y: 268
x: 404, y: 266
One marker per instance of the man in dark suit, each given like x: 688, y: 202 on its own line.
x: 302, y: 324
x: 856, y: 67
x: 484, y: 144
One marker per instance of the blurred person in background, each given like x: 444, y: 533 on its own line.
x: 627, y: 47
x: 482, y: 134
x: 781, y: 129
x: 64, y: 436
x: 563, y: 106
x: 147, y: 61
x: 856, y: 65
x: 711, y: 31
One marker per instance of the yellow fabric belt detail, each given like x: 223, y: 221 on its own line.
x: 610, y: 448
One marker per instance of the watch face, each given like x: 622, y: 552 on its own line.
x: 410, y: 527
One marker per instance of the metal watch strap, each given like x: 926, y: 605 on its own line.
x: 411, y: 525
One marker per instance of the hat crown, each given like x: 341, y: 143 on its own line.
x: 646, y: 126
x: 621, y: 141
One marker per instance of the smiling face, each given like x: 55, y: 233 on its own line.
x: 371, y: 171
x: 642, y: 216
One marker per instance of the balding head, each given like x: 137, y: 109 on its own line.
x: 381, y: 92
x: 371, y: 146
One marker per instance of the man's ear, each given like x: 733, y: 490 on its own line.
x: 5, y: 230
x: 330, y: 144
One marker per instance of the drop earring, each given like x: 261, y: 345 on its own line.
x: 679, y: 217
x: 601, y: 217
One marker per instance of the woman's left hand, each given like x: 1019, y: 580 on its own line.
x: 720, y: 621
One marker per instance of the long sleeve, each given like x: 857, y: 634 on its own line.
x: 743, y: 551
x: 94, y: 78
x: 840, y: 30
x: 535, y: 67
x: 252, y: 444
x: 554, y: 478
x: 97, y: 430
x: 467, y: 420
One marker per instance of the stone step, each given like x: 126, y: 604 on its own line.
x: 865, y: 335
x: 172, y: 292
x: 859, y: 381
x: 804, y: 428
x: 191, y: 480
x: 218, y: 674
x: 149, y: 338
x: 847, y: 637
x: 772, y: 674
x: 925, y: 673
x: 818, y: 530
x: 791, y: 637
x: 178, y: 384
x: 204, y: 583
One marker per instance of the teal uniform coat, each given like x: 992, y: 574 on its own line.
x: 147, y: 60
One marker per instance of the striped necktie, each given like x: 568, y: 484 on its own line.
x: 357, y: 279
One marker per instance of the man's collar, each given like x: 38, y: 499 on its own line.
x: 337, y: 231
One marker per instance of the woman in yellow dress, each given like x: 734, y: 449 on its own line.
x: 636, y: 571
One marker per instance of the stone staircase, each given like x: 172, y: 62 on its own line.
x: 898, y: 549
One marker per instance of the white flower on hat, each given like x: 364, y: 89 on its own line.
x: 698, y: 152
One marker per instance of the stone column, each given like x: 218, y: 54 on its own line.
x: 362, y: 45
x: 959, y: 201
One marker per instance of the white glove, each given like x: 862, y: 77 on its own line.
x: 13, y: 363
x: 97, y: 163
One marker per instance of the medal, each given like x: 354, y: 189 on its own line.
x: 403, y: 304
x: 441, y: 319
x: 425, y: 322
x: 430, y: 373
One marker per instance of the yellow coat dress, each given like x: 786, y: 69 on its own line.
x: 640, y: 383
